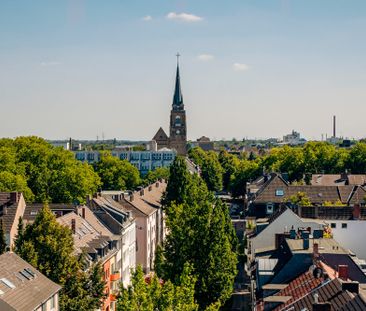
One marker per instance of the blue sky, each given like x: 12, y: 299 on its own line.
x: 248, y: 68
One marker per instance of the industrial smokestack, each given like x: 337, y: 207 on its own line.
x: 334, y: 126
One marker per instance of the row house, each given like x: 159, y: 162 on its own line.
x: 266, y: 194
x: 98, y: 244
x: 23, y: 288
x: 145, y: 206
x: 12, y: 206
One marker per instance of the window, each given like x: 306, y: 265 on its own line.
x: 333, y: 225
x: 279, y: 192
x: 178, y: 121
x: 344, y: 226
x: 52, y: 302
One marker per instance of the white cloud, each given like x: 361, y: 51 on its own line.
x: 147, y: 18
x: 184, y: 17
x: 205, y: 57
x: 50, y: 63
x: 240, y: 67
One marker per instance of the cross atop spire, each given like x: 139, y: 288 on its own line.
x: 178, y: 97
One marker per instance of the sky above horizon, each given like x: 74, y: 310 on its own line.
x: 249, y: 69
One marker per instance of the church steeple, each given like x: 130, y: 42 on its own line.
x: 178, y: 97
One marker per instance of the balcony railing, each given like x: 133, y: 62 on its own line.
x: 115, y: 276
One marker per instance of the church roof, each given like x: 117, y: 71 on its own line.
x: 160, y: 135
x: 178, y: 97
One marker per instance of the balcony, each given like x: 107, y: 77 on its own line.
x: 115, y: 276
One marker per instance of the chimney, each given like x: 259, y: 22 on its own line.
x: 83, y: 212
x: 14, y: 197
x: 131, y: 197
x: 157, y: 185
x: 334, y: 126
x: 343, y: 272
x: 150, y: 188
x: 316, y: 250
x: 352, y: 287
x: 305, y: 237
x: 356, y: 212
x: 142, y: 192
x: 73, y: 226
x: 322, y: 306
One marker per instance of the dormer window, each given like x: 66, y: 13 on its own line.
x: 279, y: 192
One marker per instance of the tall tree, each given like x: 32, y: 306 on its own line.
x: 49, y: 247
x: 200, y: 220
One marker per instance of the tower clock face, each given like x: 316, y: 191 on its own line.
x: 177, y: 132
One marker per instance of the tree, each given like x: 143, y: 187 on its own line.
x: 116, y: 174
x: 10, y: 182
x: 49, y: 247
x: 20, y: 235
x: 300, y: 199
x: 357, y: 159
x: 44, y: 173
x: 153, y: 294
x: 158, y: 173
x: 201, y: 220
x: 178, y: 182
x: 246, y: 171
x: 229, y: 164
x: 3, y: 245
x: 212, y: 172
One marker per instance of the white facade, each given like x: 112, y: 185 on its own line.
x: 128, y: 253
x: 144, y: 161
x: 350, y: 234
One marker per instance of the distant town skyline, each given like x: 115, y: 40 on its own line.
x: 252, y: 69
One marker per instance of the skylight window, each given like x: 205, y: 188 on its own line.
x: 279, y: 192
x: 7, y: 283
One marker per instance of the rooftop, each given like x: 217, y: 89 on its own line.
x: 22, y: 287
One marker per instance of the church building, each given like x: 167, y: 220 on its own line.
x: 177, y: 138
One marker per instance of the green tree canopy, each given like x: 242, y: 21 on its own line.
x: 116, y: 174
x: 153, y: 294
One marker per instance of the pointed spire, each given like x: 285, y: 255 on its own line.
x: 178, y: 97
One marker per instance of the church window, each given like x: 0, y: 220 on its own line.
x: 178, y: 121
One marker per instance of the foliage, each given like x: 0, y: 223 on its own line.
x: 300, y: 199
x: 336, y: 203
x: 199, y: 219
x: 246, y: 171
x: 116, y: 174
x: 49, y: 247
x: 153, y: 294
x: 44, y: 173
x: 178, y: 182
x: 158, y: 173
x: 210, y: 166
x: 229, y: 164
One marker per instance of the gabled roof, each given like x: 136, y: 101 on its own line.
x: 29, y: 292
x: 331, y: 291
x: 160, y: 135
x: 8, y: 208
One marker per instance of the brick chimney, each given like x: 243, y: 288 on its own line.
x: 131, y: 197
x: 150, y: 188
x: 83, y: 212
x: 343, y: 272
x: 356, y: 211
x: 142, y: 192
x: 14, y: 197
x: 316, y: 250
x: 157, y: 184
x: 73, y: 226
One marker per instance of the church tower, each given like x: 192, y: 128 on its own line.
x: 178, y: 126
